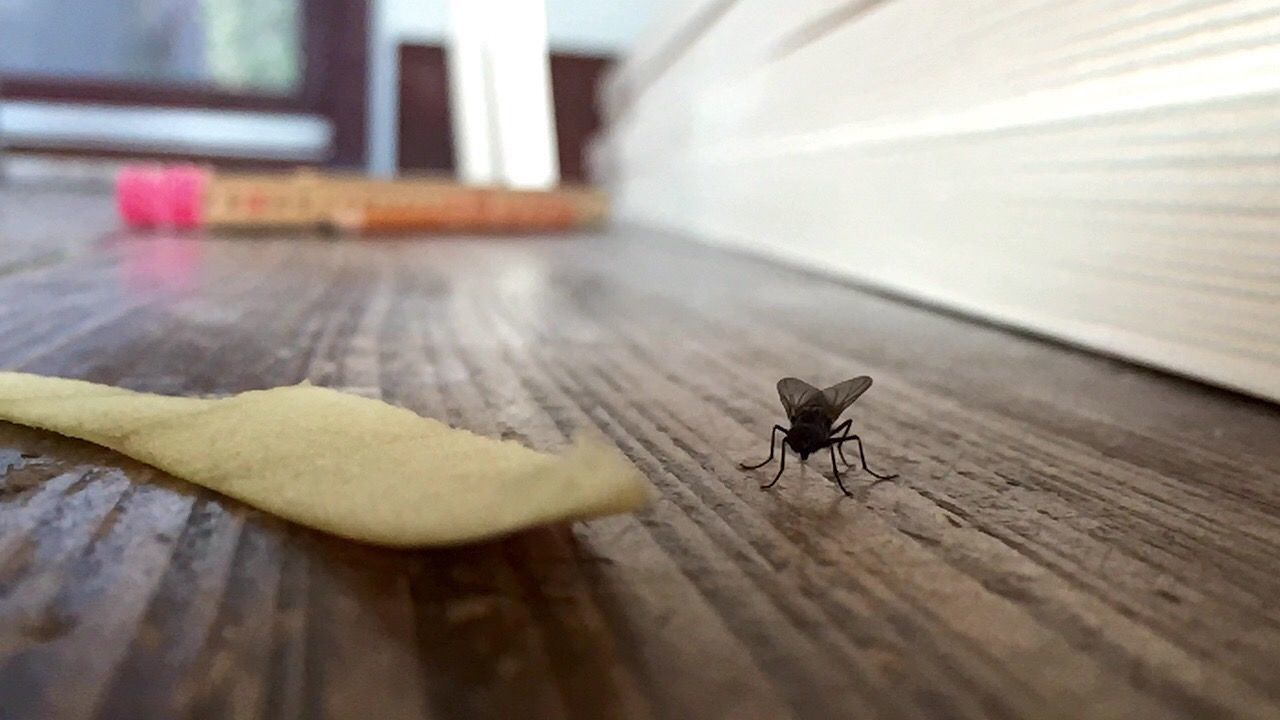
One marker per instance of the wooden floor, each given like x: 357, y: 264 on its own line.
x: 1070, y: 537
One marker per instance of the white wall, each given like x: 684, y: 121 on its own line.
x: 596, y: 26
x: 1104, y: 173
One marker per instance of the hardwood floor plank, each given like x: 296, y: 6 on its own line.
x: 1069, y: 537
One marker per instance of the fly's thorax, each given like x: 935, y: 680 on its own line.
x: 808, y: 435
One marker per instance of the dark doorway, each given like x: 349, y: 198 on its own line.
x: 425, y: 125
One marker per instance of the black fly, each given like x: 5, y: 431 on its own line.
x: 811, y: 413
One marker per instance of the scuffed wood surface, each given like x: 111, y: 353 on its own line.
x: 39, y: 226
x: 1070, y: 537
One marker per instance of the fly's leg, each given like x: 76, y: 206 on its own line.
x: 861, y: 454
x: 773, y: 436
x: 781, y: 466
x: 836, y: 471
x: 839, y: 431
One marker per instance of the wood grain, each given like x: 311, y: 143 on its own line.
x: 1070, y: 537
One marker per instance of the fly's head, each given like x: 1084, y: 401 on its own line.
x: 807, y: 438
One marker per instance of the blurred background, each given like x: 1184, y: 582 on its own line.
x: 357, y: 84
x: 1103, y: 172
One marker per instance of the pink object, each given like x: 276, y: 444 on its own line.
x: 149, y: 196
x: 137, y: 193
x: 186, y: 193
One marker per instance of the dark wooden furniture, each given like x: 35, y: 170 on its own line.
x: 1070, y: 537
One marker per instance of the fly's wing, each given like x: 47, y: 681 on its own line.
x: 796, y: 394
x: 839, y: 397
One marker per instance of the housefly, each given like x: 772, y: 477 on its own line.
x: 812, y: 413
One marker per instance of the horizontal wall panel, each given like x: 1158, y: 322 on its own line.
x: 1107, y: 173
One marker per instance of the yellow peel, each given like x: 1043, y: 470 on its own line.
x: 336, y: 462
